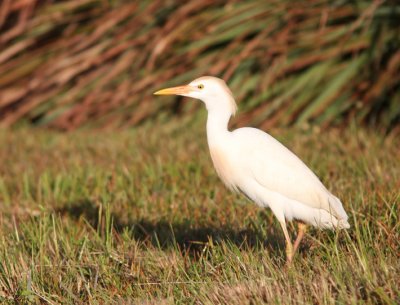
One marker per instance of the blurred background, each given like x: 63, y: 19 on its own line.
x: 96, y: 63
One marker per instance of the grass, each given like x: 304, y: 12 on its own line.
x: 140, y: 217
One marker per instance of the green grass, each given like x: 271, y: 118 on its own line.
x: 140, y: 216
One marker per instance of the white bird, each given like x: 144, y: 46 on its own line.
x: 253, y: 162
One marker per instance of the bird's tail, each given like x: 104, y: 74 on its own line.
x: 339, y: 212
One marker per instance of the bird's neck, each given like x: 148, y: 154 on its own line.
x: 217, y: 126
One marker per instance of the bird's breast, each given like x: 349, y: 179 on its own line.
x: 224, y: 167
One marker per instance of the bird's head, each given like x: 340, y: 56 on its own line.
x: 211, y: 90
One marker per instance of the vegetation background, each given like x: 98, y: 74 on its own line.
x: 125, y: 208
x: 95, y: 63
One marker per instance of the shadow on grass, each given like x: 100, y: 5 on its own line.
x: 185, y: 236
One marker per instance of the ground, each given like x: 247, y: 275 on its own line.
x: 140, y: 217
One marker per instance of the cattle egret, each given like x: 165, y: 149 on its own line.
x: 253, y: 162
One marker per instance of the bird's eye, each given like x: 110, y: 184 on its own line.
x: 201, y: 86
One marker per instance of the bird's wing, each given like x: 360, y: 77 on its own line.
x: 276, y: 168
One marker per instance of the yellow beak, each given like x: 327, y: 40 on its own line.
x: 175, y: 90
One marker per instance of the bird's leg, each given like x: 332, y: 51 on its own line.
x: 300, y: 235
x: 289, y: 246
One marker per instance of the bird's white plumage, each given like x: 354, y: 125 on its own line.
x: 269, y: 173
x: 250, y: 160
